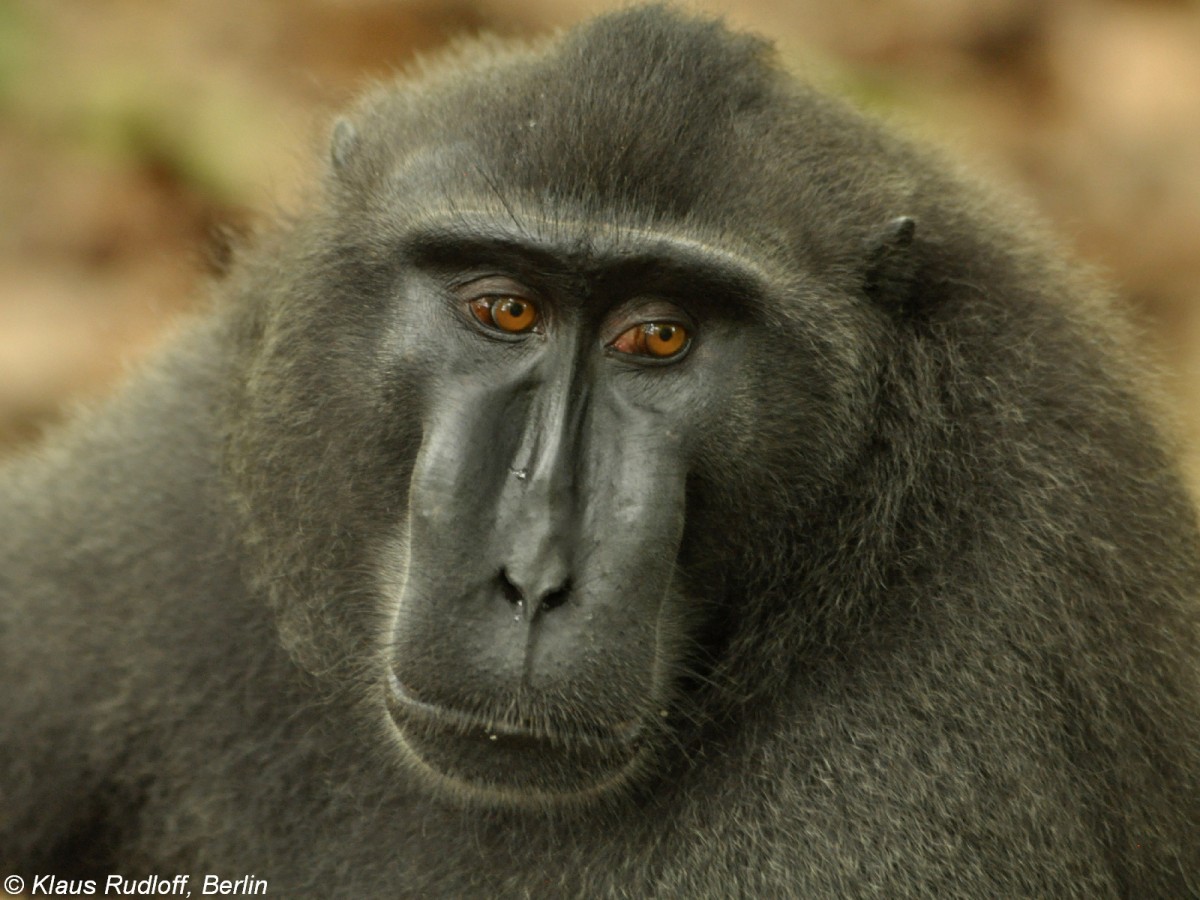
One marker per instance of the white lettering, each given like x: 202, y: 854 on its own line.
x: 52, y: 885
x: 245, y: 886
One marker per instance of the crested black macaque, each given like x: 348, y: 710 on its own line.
x: 634, y: 475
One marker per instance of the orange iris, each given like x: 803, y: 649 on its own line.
x: 513, y: 315
x: 658, y: 340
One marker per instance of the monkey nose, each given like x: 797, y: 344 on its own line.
x: 533, y: 589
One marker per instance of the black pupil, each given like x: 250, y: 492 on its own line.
x: 515, y: 308
x: 665, y: 332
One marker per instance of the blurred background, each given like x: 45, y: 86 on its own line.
x: 132, y: 131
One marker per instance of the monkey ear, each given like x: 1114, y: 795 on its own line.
x: 892, y: 266
x: 342, y: 145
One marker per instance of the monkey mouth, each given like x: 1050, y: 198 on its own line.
x: 619, y: 734
x: 513, y: 761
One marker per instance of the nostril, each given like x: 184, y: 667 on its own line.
x: 511, y: 592
x: 556, y: 598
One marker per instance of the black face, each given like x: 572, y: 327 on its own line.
x: 536, y: 643
x: 580, y: 372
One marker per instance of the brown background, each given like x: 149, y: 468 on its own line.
x: 130, y: 129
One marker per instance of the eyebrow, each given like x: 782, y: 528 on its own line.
x: 654, y: 258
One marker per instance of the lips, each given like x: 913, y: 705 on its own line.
x: 514, y: 759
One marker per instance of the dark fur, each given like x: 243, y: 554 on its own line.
x: 947, y: 573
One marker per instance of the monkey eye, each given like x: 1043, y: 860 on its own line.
x: 512, y: 315
x: 655, y: 340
